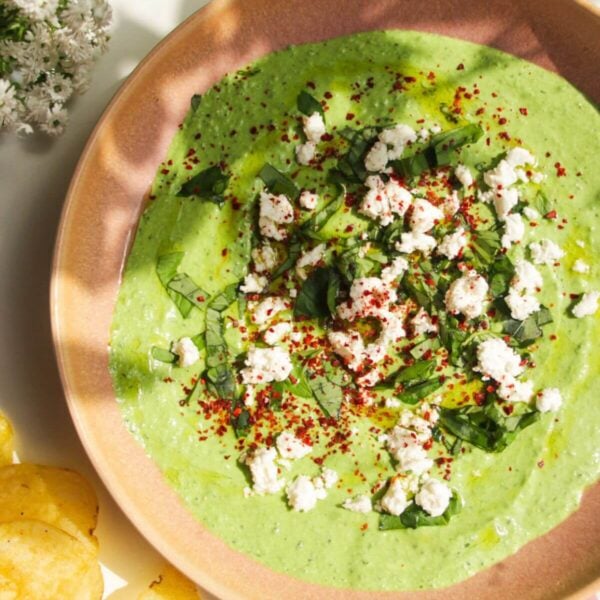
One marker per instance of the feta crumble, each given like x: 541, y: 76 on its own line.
x: 397, y: 138
x: 264, y: 257
x: 424, y: 216
x: 545, y: 252
x: 453, y: 244
x: 467, y: 295
x: 521, y: 305
x: 433, y: 497
x: 275, y: 211
x: 587, y: 306
x: 275, y: 333
x: 549, y: 400
x: 266, y: 364
x: 263, y: 468
x: 290, y: 447
x: 394, y: 270
x: 580, y: 266
x: 254, y: 284
x: 377, y: 157
x: 360, y: 504
x: 309, y: 259
x: 514, y: 230
x: 302, y: 494
x: 314, y: 127
x: 464, y: 176
x: 513, y: 390
x: 496, y: 360
x: 416, y: 242
x: 526, y: 278
x: 267, y: 309
x: 384, y: 200
x: 187, y: 352
x: 422, y: 323
x: 308, y: 200
x: 305, y: 153
x: 394, y: 500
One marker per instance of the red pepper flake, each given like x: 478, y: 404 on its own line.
x: 165, y: 171
x: 364, y: 527
x: 460, y: 67
x: 550, y: 215
x: 540, y: 464
x: 502, y: 121
x: 480, y: 111
x: 328, y: 95
x: 326, y: 137
x: 523, y: 111
x: 253, y: 130
x: 560, y: 170
x: 311, y: 85
x: 350, y: 116
x: 224, y: 252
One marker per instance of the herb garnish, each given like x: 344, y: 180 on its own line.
x: 414, y: 516
x: 209, y: 184
x: 278, y: 183
x: 308, y: 104
x: 318, y: 294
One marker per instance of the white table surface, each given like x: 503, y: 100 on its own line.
x: 34, y: 176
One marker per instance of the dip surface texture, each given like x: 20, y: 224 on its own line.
x: 250, y: 118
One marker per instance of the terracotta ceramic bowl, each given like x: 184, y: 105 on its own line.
x: 101, y: 213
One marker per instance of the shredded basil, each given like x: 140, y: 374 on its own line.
x: 240, y: 423
x: 312, y: 226
x: 501, y: 272
x: 329, y: 395
x: 351, y: 166
x: 195, y: 102
x: 166, y: 269
x: 308, y: 104
x: 225, y: 298
x: 415, y: 392
x: 294, y: 251
x: 414, y: 516
x: 317, y: 296
x: 297, y: 382
x: 209, y: 184
x: 278, y: 183
x: 163, y: 355
x: 485, y: 245
x: 184, y: 285
x: 525, y: 332
x: 219, y: 372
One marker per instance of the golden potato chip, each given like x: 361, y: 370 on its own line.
x: 41, y: 562
x: 171, y: 585
x: 59, y: 497
x: 6, y: 441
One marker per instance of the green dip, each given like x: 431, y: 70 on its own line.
x: 509, y: 497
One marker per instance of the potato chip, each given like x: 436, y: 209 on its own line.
x: 171, y: 585
x: 6, y: 441
x: 59, y: 497
x: 41, y: 562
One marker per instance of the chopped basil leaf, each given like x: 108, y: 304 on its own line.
x: 190, y: 395
x: 447, y: 112
x: 329, y: 395
x: 294, y: 251
x: 351, y: 167
x: 318, y: 293
x: 166, y: 269
x: 209, y: 184
x: 312, y: 226
x: 413, y: 393
x: 199, y: 341
x: 541, y: 203
x: 501, y: 273
x: 484, y: 246
x: 278, y: 183
x: 163, y: 355
x: 296, y: 383
x: 225, y: 298
x: 415, y: 373
x: 426, y: 346
x: 195, y: 102
x: 184, y: 285
x: 308, y: 104
x: 414, y: 516
x: 530, y: 329
x: 241, y: 422
x: 486, y: 428
x: 219, y: 372
x: 413, y: 166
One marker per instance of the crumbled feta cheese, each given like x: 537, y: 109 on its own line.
x: 545, y: 252
x: 451, y: 204
x: 538, y: 177
x: 314, y: 127
x: 308, y: 200
x: 369, y: 296
x: 580, y: 243
x: 526, y: 278
x: 265, y: 476
x: 372, y: 377
x: 587, y: 306
x: 514, y: 230
x: 433, y: 497
x: 249, y: 396
x: 267, y: 309
x: 266, y: 364
x: 290, y: 447
x: 264, y: 257
x: 309, y: 259
x: 580, y: 266
x: 531, y: 213
x: 275, y: 211
x: 254, y: 284
x: 384, y: 200
x: 302, y: 494
x: 186, y: 351
x: 521, y: 305
x: 394, y: 270
x: 305, y: 153
x: 513, y: 390
x: 394, y: 500
x: 349, y: 346
x: 549, y: 400
x: 424, y: 216
x: 398, y: 137
x: 424, y: 134
x: 463, y: 174
x: 377, y: 157
x: 453, y: 244
x: 519, y: 157
x: 329, y: 477
x: 504, y: 201
x: 359, y: 504
x: 422, y: 323
x: 496, y: 360
x: 275, y: 333
x: 415, y: 242
x: 405, y: 447
x: 467, y: 295
x: 503, y: 176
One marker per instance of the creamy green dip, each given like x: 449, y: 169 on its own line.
x: 510, y: 497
